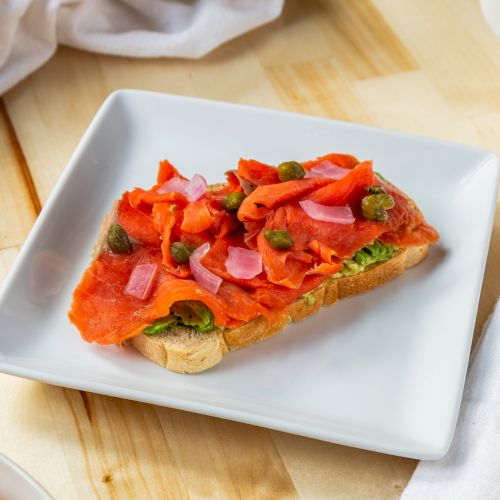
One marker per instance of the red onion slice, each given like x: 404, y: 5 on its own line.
x: 173, y: 185
x: 201, y: 274
x: 196, y: 187
x: 243, y: 263
x: 200, y: 251
x: 339, y: 215
x: 329, y: 170
x: 141, y: 280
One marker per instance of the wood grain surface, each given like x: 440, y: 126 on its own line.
x: 421, y: 66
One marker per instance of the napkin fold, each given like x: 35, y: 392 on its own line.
x: 30, y: 30
x: 471, y: 468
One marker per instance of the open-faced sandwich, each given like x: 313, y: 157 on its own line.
x: 187, y: 272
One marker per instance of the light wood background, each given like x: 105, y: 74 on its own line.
x: 424, y: 66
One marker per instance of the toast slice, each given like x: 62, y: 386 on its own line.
x: 184, y: 350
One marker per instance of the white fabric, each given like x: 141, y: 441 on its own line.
x: 31, y: 29
x: 471, y: 469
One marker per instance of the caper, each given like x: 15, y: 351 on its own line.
x: 375, y: 206
x: 386, y: 201
x: 232, y: 201
x: 118, y: 240
x: 181, y: 252
x: 279, y: 239
x: 376, y: 189
x: 290, y: 170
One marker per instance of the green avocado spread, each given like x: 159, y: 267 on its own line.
x: 190, y: 313
x: 370, y: 254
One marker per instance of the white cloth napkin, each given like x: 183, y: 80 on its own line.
x: 31, y: 29
x: 471, y: 469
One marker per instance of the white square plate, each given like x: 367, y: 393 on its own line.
x: 382, y: 371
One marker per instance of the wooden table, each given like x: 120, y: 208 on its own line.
x: 420, y: 66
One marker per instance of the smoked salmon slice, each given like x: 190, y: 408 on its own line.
x: 341, y: 160
x: 166, y: 171
x: 166, y: 217
x: 265, y: 198
x: 347, y: 191
x: 198, y: 216
x: 137, y: 223
x: 257, y: 173
x: 105, y: 312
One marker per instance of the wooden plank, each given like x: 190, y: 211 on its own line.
x: 28, y: 435
x: 442, y: 43
x: 124, y: 449
x: 364, y: 44
x: 314, y: 31
x: 114, y: 448
x: 17, y: 204
x: 317, y: 88
x: 409, y: 102
x: 323, y: 470
x: 301, y: 36
x: 7, y: 257
x: 221, y: 459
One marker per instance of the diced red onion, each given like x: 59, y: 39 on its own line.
x: 193, y: 190
x: 327, y: 169
x: 339, y: 215
x: 196, y: 187
x: 201, y: 274
x: 243, y: 263
x: 141, y: 280
x: 201, y: 251
x: 174, y: 185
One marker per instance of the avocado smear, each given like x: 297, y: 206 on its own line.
x: 309, y: 298
x: 190, y: 313
x: 370, y: 254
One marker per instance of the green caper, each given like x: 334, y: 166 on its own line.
x: 376, y: 189
x: 232, y: 201
x: 118, y: 240
x: 386, y: 201
x: 279, y: 239
x: 181, y: 252
x: 290, y: 170
x: 375, y: 206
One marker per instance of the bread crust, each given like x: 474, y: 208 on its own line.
x: 183, y: 350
